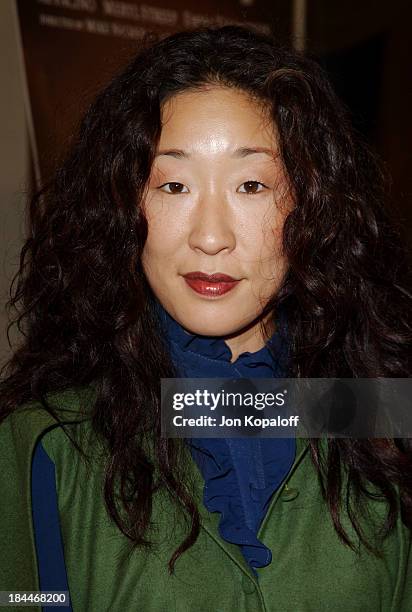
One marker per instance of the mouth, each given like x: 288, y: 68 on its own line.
x: 210, y: 285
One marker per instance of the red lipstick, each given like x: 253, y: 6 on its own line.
x: 210, y: 285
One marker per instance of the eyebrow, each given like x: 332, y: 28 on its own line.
x: 237, y: 153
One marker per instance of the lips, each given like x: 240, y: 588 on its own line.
x: 210, y: 285
x: 215, y: 277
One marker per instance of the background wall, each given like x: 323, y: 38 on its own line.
x: 367, y: 48
x: 14, y: 158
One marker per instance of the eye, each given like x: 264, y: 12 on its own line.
x: 174, y: 188
x: 252, y: 187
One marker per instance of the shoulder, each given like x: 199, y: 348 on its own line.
x: 21, y: 430
x: 67, y: 406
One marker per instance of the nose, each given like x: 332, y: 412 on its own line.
x: 212, y: 228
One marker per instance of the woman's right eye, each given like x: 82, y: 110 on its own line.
x: 174, y: 188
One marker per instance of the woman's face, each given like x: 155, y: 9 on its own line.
x: 216, y: 203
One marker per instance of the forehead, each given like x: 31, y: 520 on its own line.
x: 216, y: 114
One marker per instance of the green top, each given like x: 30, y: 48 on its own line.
x: 311, y: 569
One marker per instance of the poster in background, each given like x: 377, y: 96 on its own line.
x: 71, y: 49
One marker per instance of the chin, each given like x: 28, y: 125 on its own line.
x: 211, y: 329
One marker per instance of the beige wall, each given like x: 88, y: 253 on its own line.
x: 14, y: 159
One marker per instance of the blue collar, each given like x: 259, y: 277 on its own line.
x: 198, y: 356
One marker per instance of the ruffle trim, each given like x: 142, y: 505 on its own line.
x: 242, y: 505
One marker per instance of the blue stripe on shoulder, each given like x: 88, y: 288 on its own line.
x: 49, y: 547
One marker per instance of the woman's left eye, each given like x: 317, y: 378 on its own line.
x: 252, y: 187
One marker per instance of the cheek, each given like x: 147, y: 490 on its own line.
x: 266, y: 247
x: 162, y: 242
x: 265, y: 235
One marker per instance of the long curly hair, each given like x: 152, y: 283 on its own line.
x: 86, y: 311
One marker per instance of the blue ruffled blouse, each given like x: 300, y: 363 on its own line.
x: 241, y: 474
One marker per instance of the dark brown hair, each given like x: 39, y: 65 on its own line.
x: 87, y: 312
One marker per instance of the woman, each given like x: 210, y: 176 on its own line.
x: 215, y: 152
